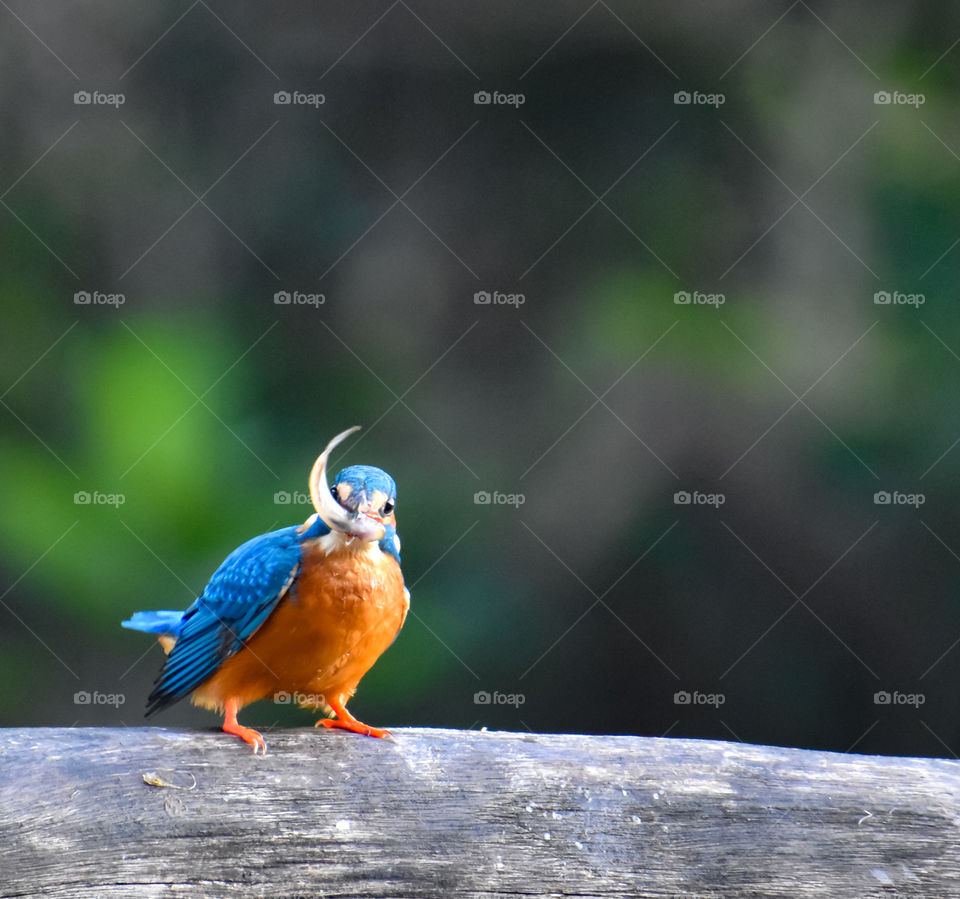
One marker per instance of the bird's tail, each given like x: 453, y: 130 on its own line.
x: 163, y: 622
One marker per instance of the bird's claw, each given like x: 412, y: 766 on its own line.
x: 249, y: 735
x: 357, y: 727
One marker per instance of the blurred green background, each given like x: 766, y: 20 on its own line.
x: 787, y: 607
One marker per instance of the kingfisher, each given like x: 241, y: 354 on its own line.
x: 301, y: 612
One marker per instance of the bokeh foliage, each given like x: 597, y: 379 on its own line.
x: 200, y: 399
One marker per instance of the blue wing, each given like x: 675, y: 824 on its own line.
x: 242, y: 593
x: 162, y: 622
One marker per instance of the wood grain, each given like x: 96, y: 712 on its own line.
x: 443, y: 813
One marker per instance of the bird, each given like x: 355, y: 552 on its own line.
x: 298, y: 613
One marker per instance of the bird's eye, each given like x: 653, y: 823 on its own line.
x: 388, y: 507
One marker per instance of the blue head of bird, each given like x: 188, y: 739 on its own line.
x: 367, y: 492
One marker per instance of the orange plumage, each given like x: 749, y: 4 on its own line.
x: 334, y: 623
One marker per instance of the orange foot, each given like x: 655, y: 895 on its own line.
x: 247, y: 734
x: 346, y: 721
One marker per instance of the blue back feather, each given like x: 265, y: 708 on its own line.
x: 242, y: 593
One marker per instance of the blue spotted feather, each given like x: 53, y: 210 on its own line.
x: 240, y: 596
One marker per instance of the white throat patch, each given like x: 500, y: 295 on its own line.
x: 337, y: 541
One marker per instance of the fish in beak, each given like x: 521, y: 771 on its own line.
x: 364, y: 523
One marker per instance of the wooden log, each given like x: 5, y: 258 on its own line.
x: 137, y: 812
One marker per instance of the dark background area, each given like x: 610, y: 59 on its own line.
x: 202, y: 402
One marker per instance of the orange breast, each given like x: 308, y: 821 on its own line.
x: 340, y: 614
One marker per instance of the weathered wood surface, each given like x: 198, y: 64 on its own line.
x: 446, y: 813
